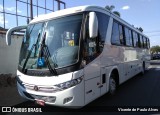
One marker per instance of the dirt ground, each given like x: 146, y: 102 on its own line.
x: 8, y: 92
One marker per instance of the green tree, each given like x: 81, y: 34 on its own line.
x: 155, y: 49
x: 110, y: 8
x: 117, y: 13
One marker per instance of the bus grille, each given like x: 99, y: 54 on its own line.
x: 45, y: 89
x: 51, y: 99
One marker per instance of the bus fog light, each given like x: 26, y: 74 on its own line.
x: 50, y: 99
x: 68, y: 99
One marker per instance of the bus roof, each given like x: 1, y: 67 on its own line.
x: 61, y: 13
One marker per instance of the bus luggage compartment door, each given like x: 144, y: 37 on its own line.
x: 92, y: 90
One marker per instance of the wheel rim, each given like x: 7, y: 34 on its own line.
x: 112, y: 85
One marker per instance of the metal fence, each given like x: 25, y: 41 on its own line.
x: 32, y: 9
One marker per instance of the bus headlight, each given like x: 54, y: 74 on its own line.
x: 69, y: 84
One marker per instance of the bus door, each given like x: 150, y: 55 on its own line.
x: 91, y: 70
x: 92, y: 81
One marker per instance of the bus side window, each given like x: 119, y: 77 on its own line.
x: 94, y: 46
x: 121, y: 32
x: 128, y: 37
x: 103, y: 20
x: 148, y: 43
x: 135, y: 39
x: 90, y: 45
x: 141, y: 41
x: 145, y: 42
x: 115, y: 34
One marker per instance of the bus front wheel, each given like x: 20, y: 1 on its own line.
x: 112, y: 85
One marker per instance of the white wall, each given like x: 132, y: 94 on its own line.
x: 9, y: 54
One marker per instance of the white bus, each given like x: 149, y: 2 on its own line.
x: 71, y: 57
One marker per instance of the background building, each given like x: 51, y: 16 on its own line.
x: 20, y: 12
x: 15, y: 13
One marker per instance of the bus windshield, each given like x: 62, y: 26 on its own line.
x: 60, y: 38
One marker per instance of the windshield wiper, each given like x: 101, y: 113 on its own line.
x: 29, y: 54
x: 46, y: 53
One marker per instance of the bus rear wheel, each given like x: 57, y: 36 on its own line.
x: 143, y: 69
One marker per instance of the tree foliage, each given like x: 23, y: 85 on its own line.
x: 117, y: 13
x: 110, y: 8
x: 155, y: 49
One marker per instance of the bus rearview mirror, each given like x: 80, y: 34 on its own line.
x: 93, y: 25
x: 10, y: 31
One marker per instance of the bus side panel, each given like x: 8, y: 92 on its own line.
x: 92, y: 80
x: 147, y: 59
x: 92, y: 91
x: 114, y: 56
x: 132, y: 62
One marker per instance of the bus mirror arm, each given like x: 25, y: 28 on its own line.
x: 93, y: 25
x: 10, y: 31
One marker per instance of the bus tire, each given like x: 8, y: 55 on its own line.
x: 112, y: 85
x: 143, y: 69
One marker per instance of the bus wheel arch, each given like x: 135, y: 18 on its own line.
x: 113, y: 82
